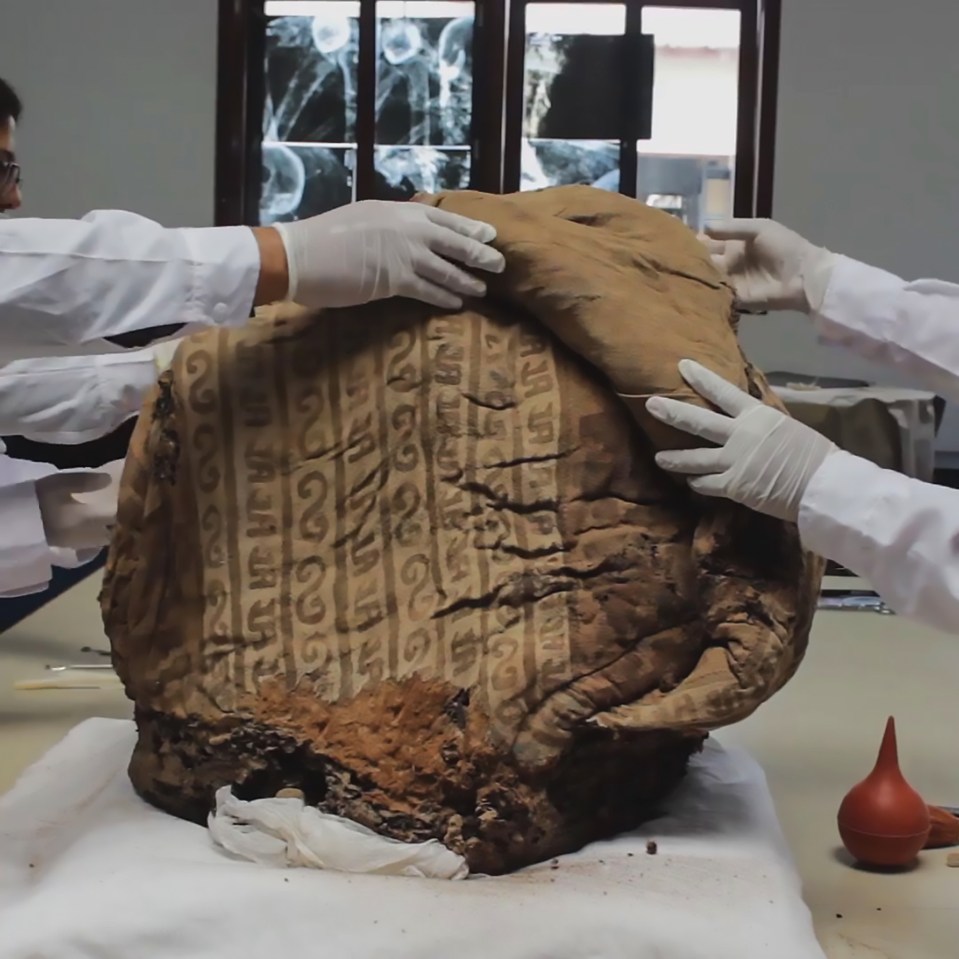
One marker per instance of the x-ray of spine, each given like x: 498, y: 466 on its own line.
x: 423, y: 109
x: 425, y: 81
x: 551, y: 162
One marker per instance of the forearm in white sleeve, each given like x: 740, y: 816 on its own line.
x: 68, y: 400
x: 912, y: 326
x: 898, y: 533
x: 66, y: 284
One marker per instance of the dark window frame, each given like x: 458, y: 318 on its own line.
x: 499, y: 27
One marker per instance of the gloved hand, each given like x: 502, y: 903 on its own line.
x: 79, y: 509
x: 770, y: 267
x: 765, y: 459
x: 163, y: 353
x: 377, y: 249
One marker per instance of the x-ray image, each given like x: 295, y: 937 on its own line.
x: 403, y: 171
x: 557, y: 69
x: 561, y: 162
x: 423, y: 104
x: 574, y: 87
x: 311, y: 78
x: 301, y: 181
x: 425, y: 81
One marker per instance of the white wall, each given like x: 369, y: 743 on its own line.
x: 120, y: 98
x: 867, y: 155
x: 120, y: 102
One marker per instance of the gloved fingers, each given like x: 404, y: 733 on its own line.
x: 426, y: 291
x: 698, y: 462
x: 715, y: 484
x: 728, y: 256
x: 714, y: 388
x: 445, y: 274
x: 87, y: 483
x: 461, y: 249
x: 730, y: 261
x: 473, y: 229
x: 742, y: 229
x: 66, y: 485
x: 163, y: 352
x: 94, y: 531
x: 716, y: 248
x: 710, y: 426
x: 114, y: 469
x: 78, y: 532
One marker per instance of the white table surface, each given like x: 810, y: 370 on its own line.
x: 815, y: 739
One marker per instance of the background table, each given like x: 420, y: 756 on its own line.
x: 815, y: 739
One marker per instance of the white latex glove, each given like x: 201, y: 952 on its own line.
x: 377, y: 249
x: 770, y: 267
x: 163, y: 353
x: 79, y: 509
x: 764, y: 459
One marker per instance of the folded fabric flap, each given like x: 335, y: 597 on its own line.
x: 285, y: 831
x: 660, y: 292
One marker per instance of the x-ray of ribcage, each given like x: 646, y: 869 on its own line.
x: 423, y: 109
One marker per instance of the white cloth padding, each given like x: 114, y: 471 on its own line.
x: 89, y: 870
x: 285, y: 832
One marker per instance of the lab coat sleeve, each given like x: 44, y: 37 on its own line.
x: 898, y: 533
x: 71, y: 283
x: 912, y: 326
x: 69, y: 400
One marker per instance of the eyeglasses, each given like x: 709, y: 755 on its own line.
x: 10, y: 175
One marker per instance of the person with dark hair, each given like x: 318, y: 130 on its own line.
x: 10, y: 110
x: 10, y: 104
x: 53, y: 518
x: 72, y: 288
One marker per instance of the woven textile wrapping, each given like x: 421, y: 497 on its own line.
x: 423, y: 567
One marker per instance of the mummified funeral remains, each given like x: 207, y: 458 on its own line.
x: 423, y: 567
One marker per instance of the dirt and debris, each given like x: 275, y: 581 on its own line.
x: 651, y: 848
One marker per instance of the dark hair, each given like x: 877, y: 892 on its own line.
x: 10, y: 104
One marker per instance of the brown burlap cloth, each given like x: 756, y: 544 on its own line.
x: 423, y: 566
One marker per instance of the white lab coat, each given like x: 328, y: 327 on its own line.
x: 67, y: 400
x: 67, y: 284
x: 64, y: 285
x: 902, y: 535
